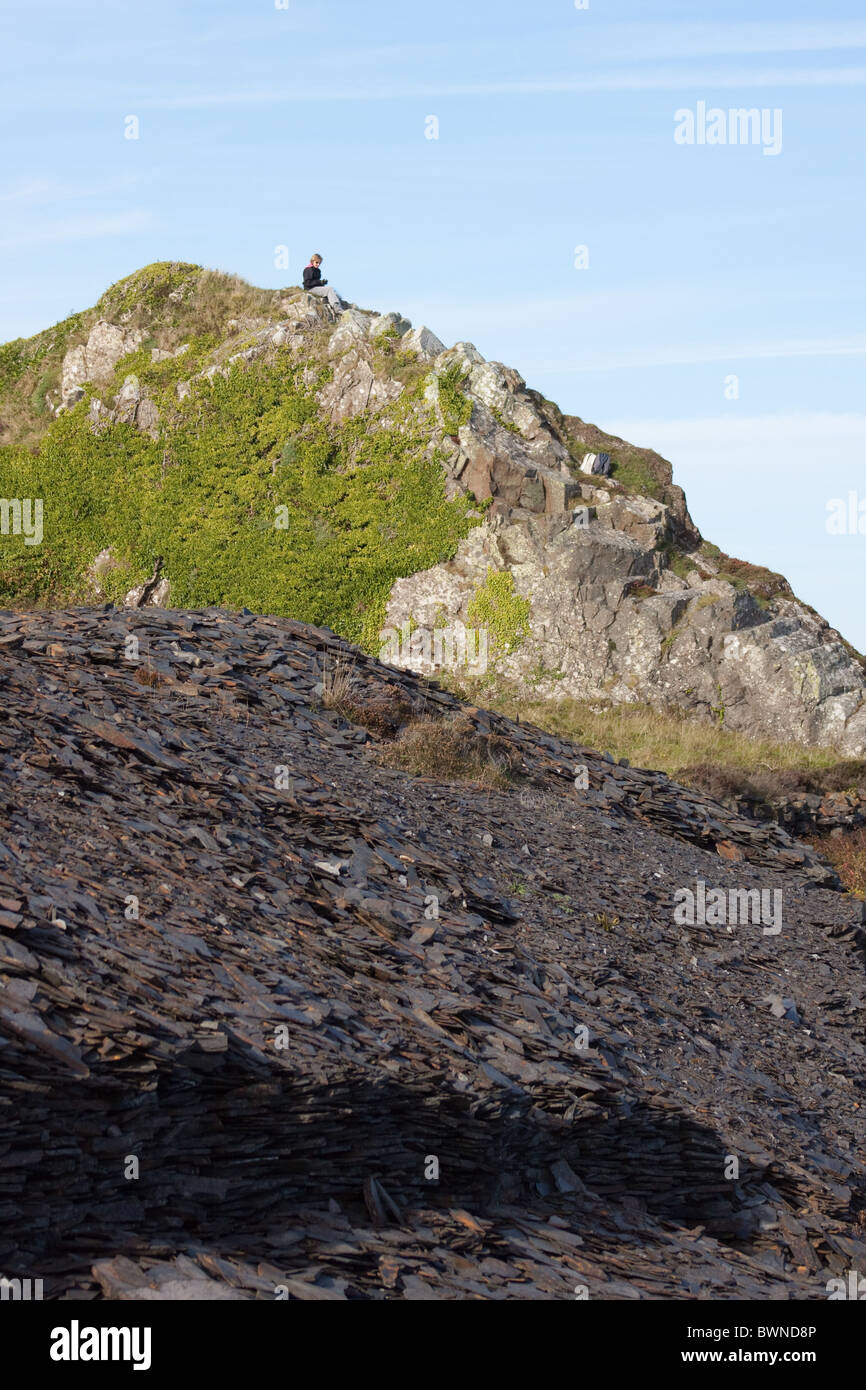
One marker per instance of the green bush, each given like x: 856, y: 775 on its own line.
x: 456, y: 407
x: 248, y: 495
x: 496, y: 607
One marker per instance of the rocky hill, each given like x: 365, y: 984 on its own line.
x: 195, y: 441
x: 280, y: 1017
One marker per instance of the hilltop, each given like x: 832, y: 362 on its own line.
x: 196, y: 441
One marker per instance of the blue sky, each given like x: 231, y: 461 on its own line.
x: 305, y: 126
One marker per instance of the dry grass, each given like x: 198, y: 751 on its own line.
x: 772, y: 785
x: 206, y: 300
x: 383, y: 711
x: 216, y: 298
x: 340, y: 686
x: 664, y: 740
x: 147, y: 675
x: 228, y: 706
x: 451, y: 751
x: 847, y: 854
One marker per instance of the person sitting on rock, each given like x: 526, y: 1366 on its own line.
x: 314, y: 284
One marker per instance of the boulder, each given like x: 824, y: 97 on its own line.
x: 352, y: 329
x: 392, y: 324
x: 424, y: 343
x: 133, y: 406
x: 355, y: 388
x: 100, y: 566
x: 96, y: 359
x: 151, y: 594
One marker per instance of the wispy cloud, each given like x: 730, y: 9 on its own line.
x: 78, y: 229
x: 853, y: 345
x: 671, y: 80
x: 37, y: 192
x: 651, y: 40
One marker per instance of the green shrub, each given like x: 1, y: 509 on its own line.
x: 360, y: 503
x: 455, y: 405
x: 496, y: 607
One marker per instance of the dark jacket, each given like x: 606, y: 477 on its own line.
x: 313, y: 277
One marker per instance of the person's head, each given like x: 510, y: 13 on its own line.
x: 315, y: 259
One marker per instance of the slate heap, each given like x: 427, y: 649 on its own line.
x: 280, y: 1019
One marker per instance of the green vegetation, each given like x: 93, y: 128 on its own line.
x: 171, y: 300
x: 496, y: 607
x: 671, y: 637
x: 29, y: 368
x: 392, y: 360
x: 630, y: 468
x: 681, y: 564
x: 761, y: 583
x: 501, y: 420
x: 247, y: 494
x: 456, y: 407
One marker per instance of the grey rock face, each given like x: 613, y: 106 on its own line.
x: 355, y: 388
x: 133, y: 406
x: 96, y: 359
x: 392, y: 324
x: 424, y: 343
x: 608, y: 617
x: 148, y: 595
x: 101, y: 565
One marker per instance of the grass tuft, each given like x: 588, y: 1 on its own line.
x: 451, y: 751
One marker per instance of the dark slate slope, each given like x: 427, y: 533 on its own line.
x: 405, y: 1037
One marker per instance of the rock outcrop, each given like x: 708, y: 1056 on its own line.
x: 625, y: 600
x: 95, y: 360
x: 610, y: 618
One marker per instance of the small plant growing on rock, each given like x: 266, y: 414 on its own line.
x: 606, y: 921
x: 501, y: 611
x: 456, y: 407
